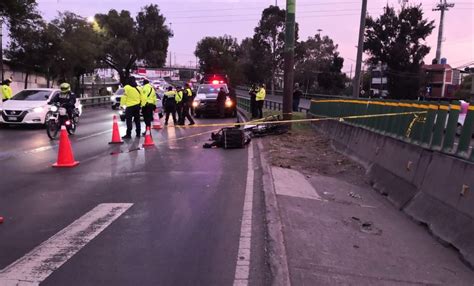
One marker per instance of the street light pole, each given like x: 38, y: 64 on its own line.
x: 289, y: 67
x: 360, y: 49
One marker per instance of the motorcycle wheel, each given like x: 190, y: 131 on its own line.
x: 52, y: 129
x: 71, y: 129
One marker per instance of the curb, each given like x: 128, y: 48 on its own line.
x: 277, y: 258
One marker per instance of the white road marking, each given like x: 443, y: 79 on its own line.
x: 292, y: 183
x: 242, y: 269
x: 38, y: 264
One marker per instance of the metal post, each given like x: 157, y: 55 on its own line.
x: 289, y: 59
x: 360, y: 49
x: 442, y: 6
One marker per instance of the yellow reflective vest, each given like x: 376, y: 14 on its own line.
x: 170, y: 94
x: 261, y: 94
x: 149, y: 93
x: 132, y: 96
x: 6, y: 92
x: 190, y: 92
x: 179, y: 96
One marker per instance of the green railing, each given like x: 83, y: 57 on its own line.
x: 431, y: 125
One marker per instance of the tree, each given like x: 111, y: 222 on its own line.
x: 396, y: 39
x: 219, y: 55
x: 269, y: 41
x: 317, y: 60
x: 17, y: 10
x: 126, y: 40
x: 79, y: 48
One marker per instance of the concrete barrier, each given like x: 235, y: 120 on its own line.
x: 431, y: 187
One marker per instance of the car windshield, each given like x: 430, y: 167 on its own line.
x: 211, y: 88
x: 32, y: 95
x: 119, y: 91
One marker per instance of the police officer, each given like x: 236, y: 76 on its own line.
x: 65, y: 99
x: 221, y: 98
x: 6, y: 90
x: 260, y: 99
x: 179, y: 104
x: 150, y: 103
x: 297, y: 94
x: 187, y: 104
x: 170, y: 104
x: 253, y: 104
x: 133, y: 99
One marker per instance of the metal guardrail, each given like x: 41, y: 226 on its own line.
x: 94, y: 101
x: 305, y: 95
x: 244, y: 103
x: 435, y: 127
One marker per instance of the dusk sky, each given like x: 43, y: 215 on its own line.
x: 192, y: 20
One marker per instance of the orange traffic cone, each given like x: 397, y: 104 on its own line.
x: 148, y: 139
x: 116, y: 139
x: 156, y: 120
x: 65, y: 155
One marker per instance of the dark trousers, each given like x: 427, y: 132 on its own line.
x: 170, y: 109
x: 260, y: 108
x: 221, y: 106
x: 132, y: 113
x: 253, y: 106
x: 147, y: 111
x: 296, y: 104
x: 179, y: 110
x: 185, y: 115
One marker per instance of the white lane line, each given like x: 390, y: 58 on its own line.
x: 242, y: 269
x: 38, y: 264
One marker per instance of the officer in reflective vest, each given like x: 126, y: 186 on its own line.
x: 170, y: 105
x: 6, y: 90
x: 260, y: 99
x: 132, y: 99
x: 150, y: 103
x: 187, y: 104
x: 179, y: 104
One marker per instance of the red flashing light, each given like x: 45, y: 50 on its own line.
x: 68, y: 122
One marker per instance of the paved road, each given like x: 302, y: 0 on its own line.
x: 304, y: 103
x: 171, y: 215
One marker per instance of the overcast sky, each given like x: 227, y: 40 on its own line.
x: 192, y: 20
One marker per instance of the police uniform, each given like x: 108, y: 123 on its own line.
x: 260, y: 99
x: 150, y: 103
x: 179, y: 106
x: 133, y: 99
x: 170, y: 106
x: 6, y: 90
x: 187, y: 104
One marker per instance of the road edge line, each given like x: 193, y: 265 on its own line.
x: 277, y: 257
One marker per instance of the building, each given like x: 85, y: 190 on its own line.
x: 378, y: 82
x: 442, y: 80
x: 21, y: 79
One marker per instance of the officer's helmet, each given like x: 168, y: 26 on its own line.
x: 65, y: 87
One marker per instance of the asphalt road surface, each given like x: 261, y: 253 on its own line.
x: 176, y: 214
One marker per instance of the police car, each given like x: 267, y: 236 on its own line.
x: 205, y: 101
x: 29, y: 106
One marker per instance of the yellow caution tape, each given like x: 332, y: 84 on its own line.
x: 300, y: 120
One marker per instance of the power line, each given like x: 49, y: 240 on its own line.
x: 258, y: 19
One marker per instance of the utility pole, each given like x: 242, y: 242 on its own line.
x: 289, y: 67
x: 442, y: 6
x: 360, y: 49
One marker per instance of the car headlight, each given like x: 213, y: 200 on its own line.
x: 121, y: 112
x: 228, y: 103
x: 113, y: 98
x: 54, y: 108
x: 196, y: 103
x: 38, y: 109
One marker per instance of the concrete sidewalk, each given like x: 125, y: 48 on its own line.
x: 337, y: 233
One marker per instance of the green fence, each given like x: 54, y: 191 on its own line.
x: 430, y: 125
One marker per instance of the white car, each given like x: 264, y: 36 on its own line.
x: 29, y: 106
